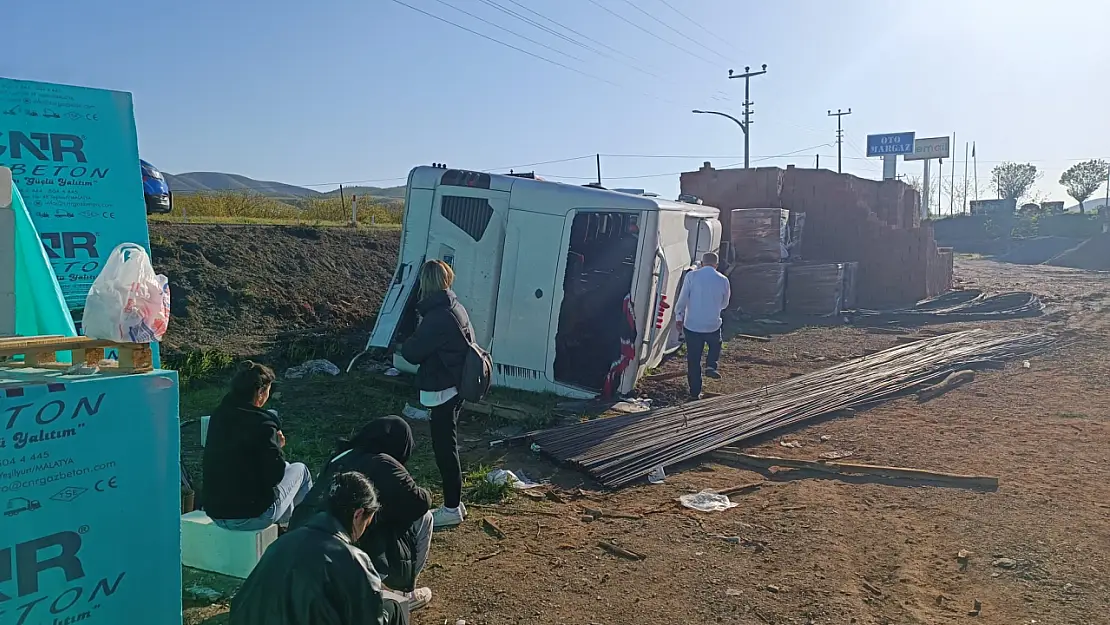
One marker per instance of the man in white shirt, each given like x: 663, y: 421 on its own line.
x: 705, y: 293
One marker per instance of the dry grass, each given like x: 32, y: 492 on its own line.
x: 244, y: 208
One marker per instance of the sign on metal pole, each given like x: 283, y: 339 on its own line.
x: 890, y: 143
x: 932, y: 147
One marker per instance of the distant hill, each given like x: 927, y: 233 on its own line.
x: 204, y: 181
x: 210, y: 181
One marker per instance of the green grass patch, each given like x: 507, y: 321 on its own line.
x: 477, y: 489
x: 198, y: 365
x: 252, y: 208
x: 316, y: 412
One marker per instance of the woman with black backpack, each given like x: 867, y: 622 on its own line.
x: 440, y: 347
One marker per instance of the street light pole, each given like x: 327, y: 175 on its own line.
x: 737, y: 121
x: 747, y: 75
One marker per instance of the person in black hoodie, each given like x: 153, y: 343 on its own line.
x: 315, y: 575
x: 248, y: 485
x: 438, y: 347
x: 400, y: 537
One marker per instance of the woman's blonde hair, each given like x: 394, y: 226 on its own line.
x: 435, y: 276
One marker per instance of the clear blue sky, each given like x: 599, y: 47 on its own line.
x: 362, y: 90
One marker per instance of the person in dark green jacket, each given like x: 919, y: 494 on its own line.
x: 400, y: 537
x: 315, y: 575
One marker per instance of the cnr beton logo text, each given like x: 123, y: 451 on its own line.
x: 71, y: 253
x: 41, y: 148
x: 22, y: 600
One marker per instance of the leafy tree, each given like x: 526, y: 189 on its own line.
x: 1014, y: 181
x: 1083, y: 179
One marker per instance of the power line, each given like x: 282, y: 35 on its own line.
x: 510, y: 31
x: 532, y: 22
x: 676, y: 31
x: 695, y: 23
x: 571, y: 30
x: 763, y: 158
x: 633, y: 65
x: 649, y: 33
x: 529, y: 53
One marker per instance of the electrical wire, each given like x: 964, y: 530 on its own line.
x: 698, y: 24
x: 510, y: 31
x: 649, y: 33
x: 534, y: 23
x: 676, y: 31
x: 522, y: 50
x: 754, y: 160
x: 634, y: 65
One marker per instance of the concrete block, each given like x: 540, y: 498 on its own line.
x: 208, y: 547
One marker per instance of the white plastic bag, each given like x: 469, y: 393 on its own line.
x: 128, y: 302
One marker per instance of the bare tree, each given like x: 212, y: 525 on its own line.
x: 1083, y: 179
x: 1014, y: 181
x: 958, y: 190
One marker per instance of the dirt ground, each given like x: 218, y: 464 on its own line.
x: 235, y: 288
x: 801, y: 551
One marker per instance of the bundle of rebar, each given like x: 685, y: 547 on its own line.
x: 968, y: 305
x: 618, y: 450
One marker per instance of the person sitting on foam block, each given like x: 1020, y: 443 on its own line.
x: 248, y: 485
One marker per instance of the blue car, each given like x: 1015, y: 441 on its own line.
x: 159, y: 199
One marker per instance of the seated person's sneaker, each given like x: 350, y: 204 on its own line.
x: 418, y: 598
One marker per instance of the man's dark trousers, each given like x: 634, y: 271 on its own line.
x: 695, y: 346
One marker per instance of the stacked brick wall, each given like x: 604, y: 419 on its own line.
x: 874, y: 223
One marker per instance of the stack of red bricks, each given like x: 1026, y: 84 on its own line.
x: 876, y: 224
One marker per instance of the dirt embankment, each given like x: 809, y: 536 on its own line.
x: 236, y: 288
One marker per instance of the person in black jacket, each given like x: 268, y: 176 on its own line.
x: 315, y: 575
x: 248, y: 485
x: 438, y: 347
x: 400, y: 537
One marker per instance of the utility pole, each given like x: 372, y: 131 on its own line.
x: 967, y: 146
x: 952, y: 182
x: 599, y: 170
x: 817, y: 164
x: 747, y: 126
x: 839, y: 136
x: 975, y: 164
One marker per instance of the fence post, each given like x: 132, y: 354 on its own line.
x: 354, y: 211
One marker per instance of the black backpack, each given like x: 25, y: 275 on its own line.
x: 477, y: 368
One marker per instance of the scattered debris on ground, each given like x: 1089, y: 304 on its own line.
x: 310, y: 368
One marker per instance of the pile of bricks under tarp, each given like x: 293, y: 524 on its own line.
x: 767, y: 275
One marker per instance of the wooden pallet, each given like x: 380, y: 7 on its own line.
x: 42, y: 352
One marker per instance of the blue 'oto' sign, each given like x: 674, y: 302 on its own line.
x: 890, y: 144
